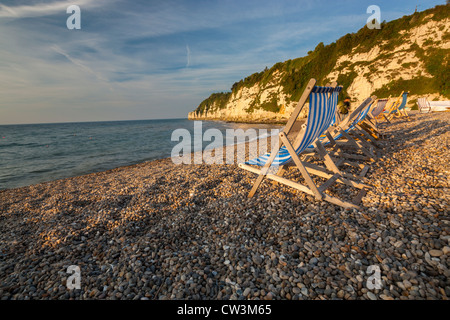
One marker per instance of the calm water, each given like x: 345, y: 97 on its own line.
x: 35, y: 153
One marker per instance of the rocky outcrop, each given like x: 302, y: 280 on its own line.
x: 237, y: 108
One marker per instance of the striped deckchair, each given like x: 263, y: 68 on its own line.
x: 338, y: 150
x: 424, y: 105
x: 402, y: 108
x: 354, y: 133
x: 398, y: 107
x: 377, y: 111
x: 388, y: 105
x: 374, y: 118
x: 350, y: 134
x: 362, y: 119
x: 370, y: 123
x: 322, y: 110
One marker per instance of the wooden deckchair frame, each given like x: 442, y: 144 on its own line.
x: 371, y: 123
x: 382, y: 116
x: 379, y: 114
x: 394, y: 109
x: 424, y: 105
x: 402, y: 112
x: 358, y: 137
x: 331, y: 172
x: 331, y: 162
x: 339, y: 149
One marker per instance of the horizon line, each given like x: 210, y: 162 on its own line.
x: 93, y: 121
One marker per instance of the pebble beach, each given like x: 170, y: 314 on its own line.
x: 157, y: 230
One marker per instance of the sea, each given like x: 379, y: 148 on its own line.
x: 36, y: 153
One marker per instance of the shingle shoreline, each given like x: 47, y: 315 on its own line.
x: 163, y: 231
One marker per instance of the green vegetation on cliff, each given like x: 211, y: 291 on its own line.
x: 219, y: 99
x: 294, y: 74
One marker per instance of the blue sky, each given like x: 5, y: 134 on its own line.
x: 156, y: 59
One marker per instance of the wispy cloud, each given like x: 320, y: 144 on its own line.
x: 188, y: 56
x: 79, y: 63
x: 42, y: 9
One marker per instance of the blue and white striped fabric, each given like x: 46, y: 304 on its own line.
x: 405, y: 99
x: 333, y: 106
x: 322, y: 109
x: 362, y: 115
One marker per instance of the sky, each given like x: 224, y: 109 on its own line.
x: 144, y: 59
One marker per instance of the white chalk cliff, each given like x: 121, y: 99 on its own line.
x: 372, y: 69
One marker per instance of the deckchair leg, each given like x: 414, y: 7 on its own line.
x: 406, y: 114
x: 331, y: 140
x: 361, y: 135
x: 331, y: 166
x: 367, y: 134
x: 264, y: 170
x: 281, y: 170
x: 357, y: 200
x: 359, y: 144
x: 367, y: 140
x: 372, y: 123
x: 364, y: 168
x: 326, y: 157
x: 344, y: 204
x: 322, y: 172
x: 258, y: 182
x: 301, y: 167
x: 371, y: 128
x: 337, y: 151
